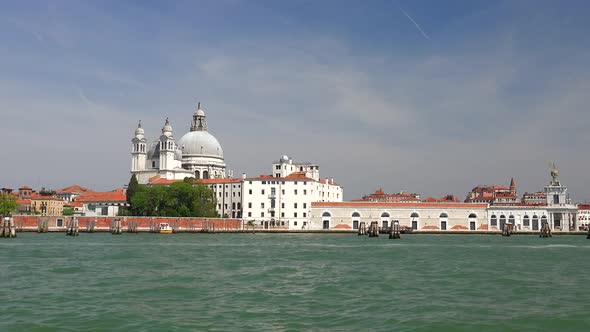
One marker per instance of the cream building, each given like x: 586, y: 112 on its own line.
x: 284, y: 199
x: 197, y: 154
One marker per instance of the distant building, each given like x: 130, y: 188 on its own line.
x: 536, y: 198
x: 46, y: 204
x: 70, y: 193
x: 494, y: 195
x: 103, y: 203
x: 381, y: 196
x: 444, y: 199
x: 25, y: 192
x: 197, y: 154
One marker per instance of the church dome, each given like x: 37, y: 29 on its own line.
x: 200, y: 143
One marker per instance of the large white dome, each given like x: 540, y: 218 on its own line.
x: 200, y: 143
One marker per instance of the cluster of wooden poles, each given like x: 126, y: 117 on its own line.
x: 8, y: 228
x: 373, y: 231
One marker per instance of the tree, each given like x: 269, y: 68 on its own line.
x: 7, y: 204
x: 181, y: 199
x: 68, y: 211
x: 132, y: 188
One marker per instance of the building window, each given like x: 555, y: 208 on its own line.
x: 249, y: 214
x: 262, y: 214
x: 295, y: 182
x: 305, y: 205
x: 262, y: 205
x: 526, y: 221
x: 294, y: 223
x: 262, y: 191
x: 494, y: 221
x: 295, y: 214
x: 304, y: 215
x: 250, y: 205
x: 283, y: 191
x: 304, y: 183
x: 555, y: 199
x: 295, y: 205
x: 250, y: 191
x: 282, y: 214
x: 263, y: 182
x: 295, y: 191
x: 282, y: 205
x: 304, y: 191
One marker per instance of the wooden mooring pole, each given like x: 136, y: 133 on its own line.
x: 73, y: 229
x: 43, y: 225
x: 90, y: 224
x: 506, y: 230
x: 8, y: 228
x: 362, y: 228
x: 374, y: 229
x: 394, y: 231
x: 116, y: 227
x: 545, y: 229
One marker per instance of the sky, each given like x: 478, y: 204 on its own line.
x: 433, y: 97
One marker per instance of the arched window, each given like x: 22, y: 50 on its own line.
x: 197, y: 175
x: 494, y: 221
x: 444, y: 215
x: 356, y: 215
x: 326, y: 214
x: 414, y: 219
x: 205, y: 174
x: 384, y: 215
x: 502, y: 221
x: 526, y: 221
x: 472, y: 216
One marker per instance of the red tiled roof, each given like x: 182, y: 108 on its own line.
x: 36, y: 196
x: 159, y: 180
x: 75, y: 204
x: 73, y: 189
x: 23, y: 201
x: 117, y: 195
x: 219, y: 181
x: 583, y: 206
x: 399, y: 204
x: 25, y: 188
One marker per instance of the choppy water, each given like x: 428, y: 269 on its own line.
x: 147, y: 282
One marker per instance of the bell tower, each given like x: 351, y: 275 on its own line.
x: 138, y: 150
x: 199, y: 122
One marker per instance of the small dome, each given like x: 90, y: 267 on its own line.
x: 200, y: 112
x: 200, y: 143
x: 167, y: 129
x: 139, y: 132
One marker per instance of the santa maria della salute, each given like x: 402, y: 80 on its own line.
x: 197, y: 154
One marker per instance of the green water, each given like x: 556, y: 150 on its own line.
x: 277, y: 282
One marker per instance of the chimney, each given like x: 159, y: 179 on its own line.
x: 243, y: 175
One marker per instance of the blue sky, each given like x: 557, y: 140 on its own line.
x: 488, y: 90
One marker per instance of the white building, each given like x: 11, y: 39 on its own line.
x: 284, y: 198
x: 417, y: 216
x: 558, y: 211
x: 197, y: 154
x: 105, y: 204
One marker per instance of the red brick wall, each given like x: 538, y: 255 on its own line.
x: 142, y: 222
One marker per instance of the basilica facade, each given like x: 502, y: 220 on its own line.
x: 197, y: 154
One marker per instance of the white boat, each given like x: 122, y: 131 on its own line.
x: 165, y: 228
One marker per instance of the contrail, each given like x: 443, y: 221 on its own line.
x: 416, y: 24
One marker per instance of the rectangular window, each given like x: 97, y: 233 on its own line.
x: 304, y: 215
x: 262, y: 205
x: 305, y: 205
x: 295, y: 223
x: 295, y: 214
x: 555, y: 199
x: 250, y: 205
x: 295, y: 182
x: 226, y: 194
x: 262, y: 214
x: 304, y: 183
x: 295, y: 205
x: 249, y: 182
x: 278, y: 167
x: 283, y: 191
x: 283, y: 182
x: 282, y: 214
x: 295, y: 191
x: 218, y: 206
x: 59, y: 223
x: 262, y: 191
x: 263, y: 182
x: 282, y: 205
x: 304, y: 191
x: 225, y: 206
x: 249, y: 214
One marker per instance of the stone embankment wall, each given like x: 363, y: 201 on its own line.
x: 59, y: 223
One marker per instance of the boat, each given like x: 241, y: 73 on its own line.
x: 165, y: 228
